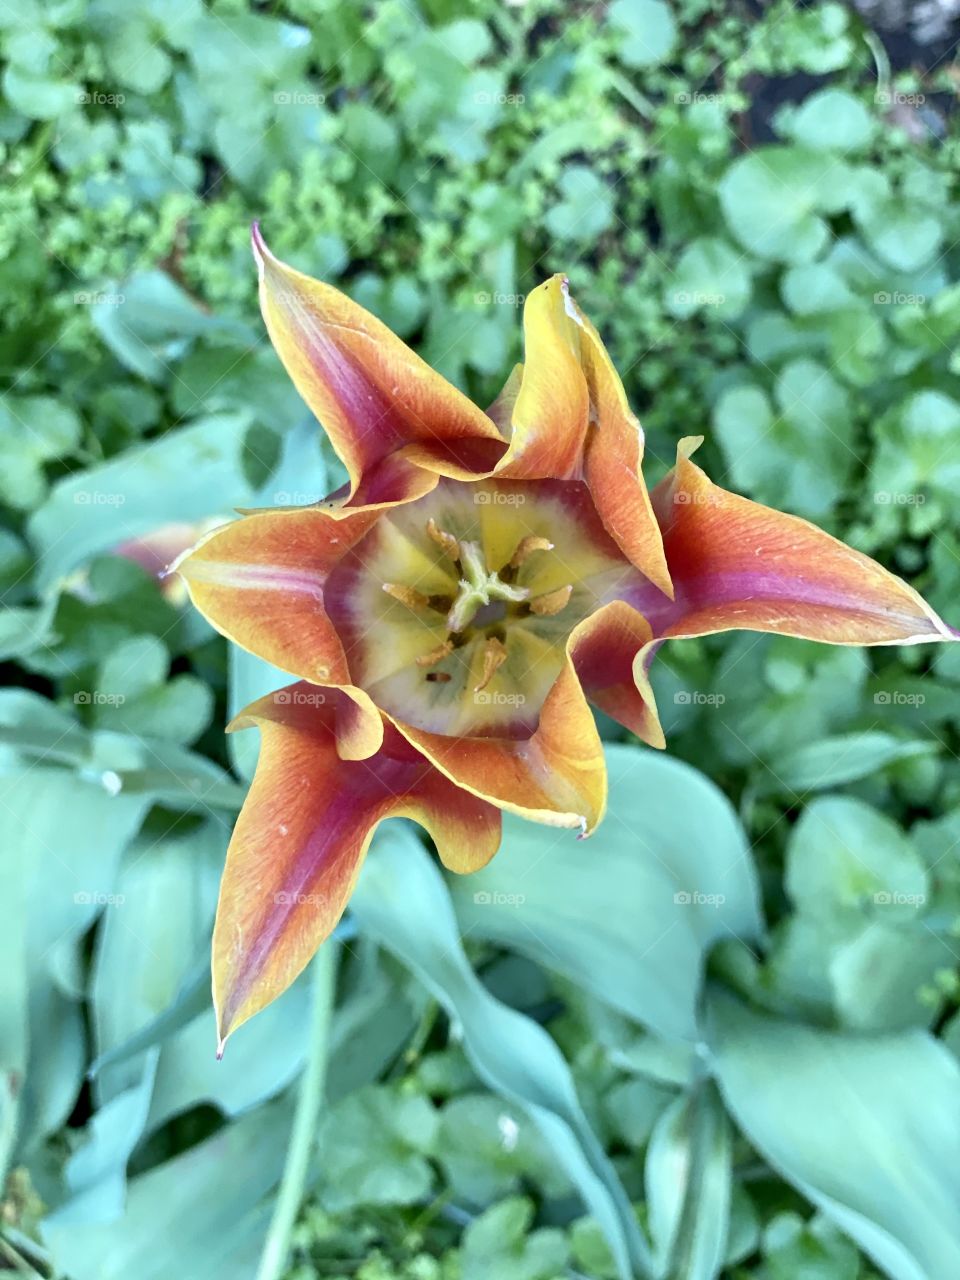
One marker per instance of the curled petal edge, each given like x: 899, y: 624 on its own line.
x: 556, y: 776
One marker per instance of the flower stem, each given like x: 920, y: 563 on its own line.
x: 641, y: 105
x: 273, y: 1260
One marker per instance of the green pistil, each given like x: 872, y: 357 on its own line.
x: 478, y: 587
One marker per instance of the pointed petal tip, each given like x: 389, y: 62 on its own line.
x: 571, y: 310
x: 687, y: 446
x: 174, y: 565
x: 240, y: 721
x: 224, y: 1028
x: 262, y: 254
x: 303, y: 833
x: 742, y: 566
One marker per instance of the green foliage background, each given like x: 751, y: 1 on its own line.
x: 722, y: 1037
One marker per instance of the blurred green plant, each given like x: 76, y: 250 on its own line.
x: 735, y: 1050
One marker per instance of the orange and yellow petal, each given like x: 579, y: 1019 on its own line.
x: 550, y: 412
x: 372, y: 394
x: 737, y: 564
x: 555, y: 775
x: 157, y: 550
x: 501, y: 411
x: 613, y: 463
x: 395, y: 480
x: 260, y: 581
x: 302, y: 835
x: 569, y: 418
x: 603, y: 650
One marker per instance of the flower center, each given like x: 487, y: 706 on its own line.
x: 455, y: 609
x: 481, y: 592
x: 485, y: 601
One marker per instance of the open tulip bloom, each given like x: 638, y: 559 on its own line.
x: 452, y: 613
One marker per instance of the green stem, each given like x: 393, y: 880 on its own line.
x: 641, y: 105
x: 25, y: 1257
x: 880, y: 59
x: 41, y: 144
x: 417, y: 1041
x: 706, y: 1120
x: 513, y: 34
x: 303, y: 1132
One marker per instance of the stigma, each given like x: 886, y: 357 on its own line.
x: 484, y: 602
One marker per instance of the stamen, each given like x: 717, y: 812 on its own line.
x: 435, y: 655
x: 409, y: 596
x: 526, y: 547
x: 551, y: 602
x: 445, y: 541
x: 494, y: 656
x: 438, y: 677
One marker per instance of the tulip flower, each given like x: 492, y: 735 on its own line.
x: 450, y: 616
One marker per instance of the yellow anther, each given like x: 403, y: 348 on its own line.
x: 494, y: 656
x: 445, y: 541
x: 551, y: 602
x: 435, y: 655
x: 409, y: 596
x: 526, y: 547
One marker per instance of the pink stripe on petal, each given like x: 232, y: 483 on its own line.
x: 302, y: 835
x: 737, y: 564
x: 371, y: 393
